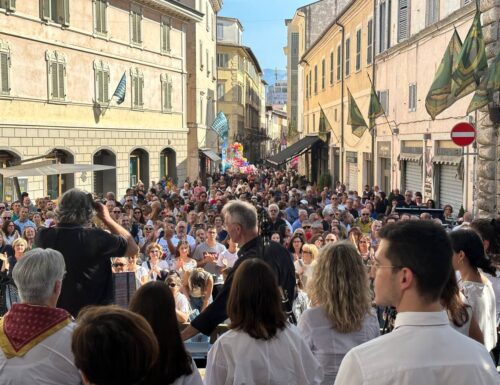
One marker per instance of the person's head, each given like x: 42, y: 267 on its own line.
x: 29, y: 233
x: 240, y: 219
x: 489, y: 229
x: 254, y: 304
x: 468, y: 250
x: 296, y: 243
x: 24, y: 213
x: 211, y: 233
x: 124, y: 221
x: 154, y: 252
x: 19, y: 245
x: 155, y: 302
x: 120, y: 265
x: 276, y: 237
x: 340, y: 284
x: 113, y: 346
x: 365, y: 215
x: 75, y: 207
x: 182, y: 249
x: 273, y: 211
x: 39, y: 275
x: 181, y: 228
x: 309, y: 253
x: 200, y: 235
x: 303, y: 215
x: 16, y: 206
x: 408, y: 196
x: 412, y: 264
x: 430, y: 204
x: 37, y: 218
x: 173, y: 282
x: 330, y: 238
x: 317, y: 240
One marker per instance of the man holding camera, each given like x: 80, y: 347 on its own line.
x: 86, y: 250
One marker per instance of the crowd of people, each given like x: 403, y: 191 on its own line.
x: 260, y: 252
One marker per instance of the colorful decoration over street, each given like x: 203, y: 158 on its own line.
x: 236, y: 160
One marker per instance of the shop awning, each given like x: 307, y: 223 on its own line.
x: 295, y: 149
x: 446, y: 159
x: 410, y: 157
x: 47, y: 168
x: 210, y: 154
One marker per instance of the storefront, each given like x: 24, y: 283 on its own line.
x: 411, y: 169
x: 384, y: 166
x: 448, y: 178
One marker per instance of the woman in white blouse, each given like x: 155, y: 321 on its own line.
x: 261, y: 348
x: 468, y: 258
x: 342, y: 317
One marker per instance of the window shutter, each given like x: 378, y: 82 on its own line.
x: 11, y: 5
x: 103, y: 16
x: 163, y: 36
x: 169, y: 30
x: 65, y: 13
x: 105, y: 86
x: 135, y: 84
x: 141, y: 87
x: 169, y: 95
x: 99, y: 75
x: 53, y: 74
x: 61, y: 69
x: 369, y: 48
x: 403, y: 20
x: 139, y: 28
x: 45, y: 9
x: 4, y: 70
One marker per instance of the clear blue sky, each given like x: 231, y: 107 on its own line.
x: 264, y: 26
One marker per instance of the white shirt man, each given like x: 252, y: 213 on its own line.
x: 423, y: 348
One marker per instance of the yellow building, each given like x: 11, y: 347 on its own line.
x: 240, y: 90
x: 340, y: 60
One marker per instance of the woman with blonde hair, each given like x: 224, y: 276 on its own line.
x: 342, y: 317
x: 304, y: 267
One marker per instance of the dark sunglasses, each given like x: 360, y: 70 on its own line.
x: 148, y: 229
x: 118, y: 264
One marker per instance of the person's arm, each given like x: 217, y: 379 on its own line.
x: 474, y: 332
x: 103, y: 214
x: 349, y: 371
x: 208, y: 292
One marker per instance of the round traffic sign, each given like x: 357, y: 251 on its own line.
x: 463, y: 134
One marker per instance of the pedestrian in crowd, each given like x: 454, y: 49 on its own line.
x: 154, y: 268
x: 9, y: 229
x: 87, y: 251
x: 295, y: 247
x: 273, y: 350
x: 112, y: 345
x: 305, y: 266
x: 35, y: 335
x: 411, y: 272
x: 183, y: 309
x: 155, y: 302
x: 342, y: 317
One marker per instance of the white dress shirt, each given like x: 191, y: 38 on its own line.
x: 50, y: 362
x: 330, y: 346
x: 238, y: 359
x: 191, y: 379
x: 421, y: 350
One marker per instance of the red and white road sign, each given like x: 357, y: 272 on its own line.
x: 463, y: 134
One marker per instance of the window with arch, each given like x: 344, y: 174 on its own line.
x: 4, y: 68
x: 56, y: 71
x: 166, y: 92
x: 137, y: 81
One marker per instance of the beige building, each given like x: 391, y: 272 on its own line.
x: 240, y: 89
x: 201, y: 89
x: 277, y: 129
x: 416, y: 153
x: 64, y: 60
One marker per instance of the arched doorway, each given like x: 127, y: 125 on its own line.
x: 105, y: 181
x: 7, y: 190
x: 59, y: 184
x: 139, y: 167
x: 168, y: 164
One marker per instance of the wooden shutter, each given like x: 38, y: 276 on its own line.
x: 4, y: 71
x: 139, y: 28
x: 61, y: 68
x: 105, y: 84
x: 141, y: 87
x: 99, y: 85
x: 53, y: 74
x: 65, y: 13
x: 135, y: 83
x: 403, y: 12
x: 164, y: 36
x: 45, y: 9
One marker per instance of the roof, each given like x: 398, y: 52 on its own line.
x: 249, y: 52
x: 233, y: 19
x: 176, y: 9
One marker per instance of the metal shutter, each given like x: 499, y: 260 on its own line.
x: 352, y: 170
x: 450, y: 187
x: 413, y: 176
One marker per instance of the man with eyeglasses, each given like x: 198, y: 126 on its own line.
x: 116, y: 213
x: 411, y: 273
x: 364, y: 222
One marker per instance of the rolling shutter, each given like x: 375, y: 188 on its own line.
x: 352, y: 170
x: 413, y: 176
x: 450, y: 187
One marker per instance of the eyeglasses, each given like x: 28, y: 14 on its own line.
x: 154, y: 251
x: 148, y: 229
x: 329, y: 240
x: 2, y: 207
x: 118, y: 264
x: 172, y: 285
x: 377, y: 266
x: 117, y: 211
x: 306, y: 252
x: 6, y: 217
x: 129, y: 200
x: 306, y: 227
x: 365, y: 214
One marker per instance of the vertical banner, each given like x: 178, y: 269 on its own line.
x: 224, y: 164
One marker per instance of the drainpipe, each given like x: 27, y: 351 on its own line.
x: 342, y: 149
x: 374, y: 131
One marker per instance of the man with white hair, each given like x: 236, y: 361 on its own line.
x: 35, y: 336
x: 274, y: 220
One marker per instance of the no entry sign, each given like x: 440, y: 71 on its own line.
x: 463, y: 134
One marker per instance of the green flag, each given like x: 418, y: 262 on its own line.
x: 375, y: 109
x: 355, y: 118
x: 441, y: 94
x: 472, y: 61
x: 324, y: 124
x: 490, y: 83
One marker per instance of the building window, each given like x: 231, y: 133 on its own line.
x: 101, y: 79
x: 136, y: 24
x: 166, y: 28
x: 220, y: 31
x: 137, y: 80
x: 432, y: 12
x: 331, y: 68
x: 358, y: 50
x: 221, y: 91
x: 316, y: 79
x: 8, y: 5
x: 238, y: 94
x: 222, y: 60
x: 207, y: 60
x: 56, y: 69
x: 166, y: 92
x: 403, y: 16
x: 369, y: 43
x: 412, y: 97
x: 201, y: 56
x: 339, y: 62
x: 4, y: 68
x: 384, y: 13
x: 207, y: 19
x: 323, y: 74
x: 314, y: 122
x: 100, y: 9
x: 383, y: 96
x: 347, y: 57
x: 56, y: 11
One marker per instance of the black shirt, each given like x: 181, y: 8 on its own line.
x: 87, y: 253
x: 278, y: 259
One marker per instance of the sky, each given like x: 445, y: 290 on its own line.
x: 264, y: 29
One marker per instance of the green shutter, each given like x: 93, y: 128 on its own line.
x: 4, y: 71
x: 99, y: 85
x: 163, y: 37
x: 135, y: 84
x: 60, y: 74
x: 65, y: 13
x: 45, y: 9
x: 140, y: 89
x: 105, y: 86
x: 97, y: 20
x: 11, y: 5
x: 103, y: 6
x: 139, y: 28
